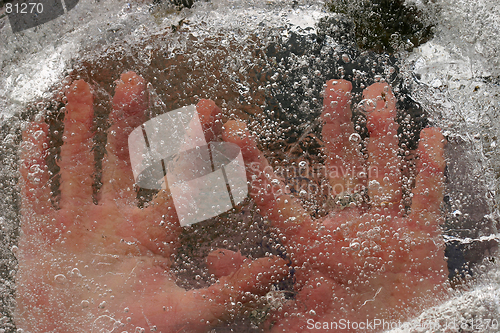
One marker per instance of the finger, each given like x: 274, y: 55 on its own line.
x: 222, y: 262
x: 429, y: 184
x: 210, y: 118
x: 77, y: 158
x: 35, y: 179
x: 344, y: 160
x: 173, y: 309
x: 285, y: 212
x: 129, y: 105
x: 384, y: 174
x: 255, y: 278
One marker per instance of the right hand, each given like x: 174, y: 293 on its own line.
x: 106, y: 267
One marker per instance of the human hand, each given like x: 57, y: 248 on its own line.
x: 370, y: 261
x: 106, y: 267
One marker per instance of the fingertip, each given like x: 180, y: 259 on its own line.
x: 432, y: 136
x: 235, y: 131
x: 340, y: 88
x: 210, y: 115
x: 208, y: 111
x: 380, y: 104
x: 130, y: 97
x: 260, y: 273
x: 234, y: 125
x: 377, y: 89
x: 382, y: 94
x: 222, y: 262
x: 130, y: 78
x: 336, y: 101
x: 79, y: 91
x: 431, y: 149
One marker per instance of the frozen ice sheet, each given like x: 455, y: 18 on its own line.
x: 455, y: 77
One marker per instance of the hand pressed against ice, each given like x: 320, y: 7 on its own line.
x: 95, y: 268
x: 358, y: 263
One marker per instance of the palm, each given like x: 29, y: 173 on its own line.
x: 364, y: 262
x: 95, y: 268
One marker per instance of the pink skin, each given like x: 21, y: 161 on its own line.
x: 343, y: 154
x: 86, y: 267
x: 92, y: 267
x: 223, y: 262
x: 358, y: 263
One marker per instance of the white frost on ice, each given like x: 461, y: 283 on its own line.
x: 457, y: 77
x: 33, y: 60
x: 475, y: 310
x: 39, y: 73
x: 301, y: 20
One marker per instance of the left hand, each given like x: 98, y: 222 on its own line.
x: 362, y: 263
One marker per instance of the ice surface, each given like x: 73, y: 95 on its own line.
x: 455, y: 77
x: 35, y: 59
x: 458, y: 76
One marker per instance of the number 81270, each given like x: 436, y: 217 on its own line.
x: 24, y: 8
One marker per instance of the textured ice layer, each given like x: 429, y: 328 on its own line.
x: 458, y: 76
x: 475, y: 310
x: 455, y: 77
x: 33, y: 60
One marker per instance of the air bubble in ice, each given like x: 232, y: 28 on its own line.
x: 105, y: 324
x: 355, y: 138
x: 60, y: 278
x: 76, y: 272
x: 367, y: 105
x: 354, y: 246
x: 38, y: 134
